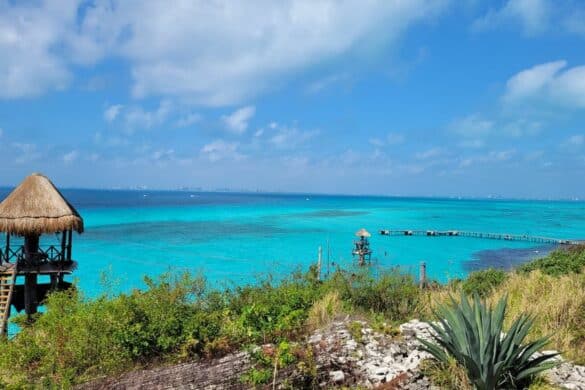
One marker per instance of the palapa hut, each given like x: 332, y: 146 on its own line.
x: 363, y: 233
x: 362, y: 247
x: 34, y: 208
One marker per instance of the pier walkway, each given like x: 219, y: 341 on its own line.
x: 491, y: 236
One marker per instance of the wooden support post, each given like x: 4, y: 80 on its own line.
x: 63, y: 245
x: 31, y: 247
x: 30, y: 294
x: 54, y: 281
x: 319, y: 263
x: 70, y: 238
x: 7, y: 253
x: 423, y: 275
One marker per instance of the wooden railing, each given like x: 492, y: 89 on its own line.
x: 45, y: 254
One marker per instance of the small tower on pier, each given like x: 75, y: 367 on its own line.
x: 362, y: 247
x: 34, y: 208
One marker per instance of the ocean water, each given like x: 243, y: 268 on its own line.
x: 235, y: 238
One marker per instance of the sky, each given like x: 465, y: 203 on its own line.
x: 389, y: 97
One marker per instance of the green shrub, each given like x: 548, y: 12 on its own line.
x: 178, y: 317
x: 256, y: 376
x: 559, y: 262
x: 483, y: 282
x: 471, y: 333
x: 394, y: 294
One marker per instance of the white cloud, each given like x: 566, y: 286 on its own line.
x: 532, y: 15
x: 536, y: 17
x: 30, y: 63
x: 574, y: 142
x: 325, y: 82
x: 70, y: 157
x: 390, y: 139
x: 213, y: 53
x: 533, y: 80
x: 220, y: 150
x: 472, y: 126
x: 394, y: 139
x: 188, y: 120
x: 577, y: 140
x: 472, y: 143
x: 534, y: 155
x: 26, y: 152
x: 138, y: 118
x: 521, y: 127
x: 575, y: 22
x: 111, y: 113
x: 377, y: 142
x: 237, y: 122
x: 291, y: 137
x: 551, y: 82
x: 493, y: 156
x: 429, y: 153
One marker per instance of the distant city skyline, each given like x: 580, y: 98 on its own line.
x: 416, y: 98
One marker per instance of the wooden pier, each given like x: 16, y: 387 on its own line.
x: 490, y: 236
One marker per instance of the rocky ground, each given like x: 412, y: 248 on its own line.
x: 347, y: 353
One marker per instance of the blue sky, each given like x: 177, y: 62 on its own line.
x: 435, y: 98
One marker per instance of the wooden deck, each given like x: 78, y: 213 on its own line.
x: 48, y: 268
x: 490, y: 236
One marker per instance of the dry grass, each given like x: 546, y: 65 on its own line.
x: 324, y: 311
x: 449, y: 376
x: 558, y: 305
x: 556, y: 302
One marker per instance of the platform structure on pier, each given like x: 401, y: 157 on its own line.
x: 491, y: 236
x: 362, y: 247
x: 34, y: 208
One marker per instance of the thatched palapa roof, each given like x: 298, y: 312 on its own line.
x: 363, y: 233
x: 35, y: 207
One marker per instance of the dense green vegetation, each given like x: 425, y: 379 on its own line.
x: 484, y: 282
x: 560, y: 262
x: 179, y: 317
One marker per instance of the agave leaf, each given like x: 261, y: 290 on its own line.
x: 471, y: 332
x: 530, y: 372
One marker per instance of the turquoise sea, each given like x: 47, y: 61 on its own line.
x: 237, y: 237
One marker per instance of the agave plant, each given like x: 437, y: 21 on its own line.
x: 472, y: 333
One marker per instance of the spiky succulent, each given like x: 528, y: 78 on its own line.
x: 472, y: 333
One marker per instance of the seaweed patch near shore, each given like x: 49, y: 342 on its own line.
x: 505, y: 258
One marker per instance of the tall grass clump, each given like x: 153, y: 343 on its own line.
x: 324, y: 310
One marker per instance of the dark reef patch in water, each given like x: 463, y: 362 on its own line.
x: 332, y: 214
x: 178, y: 232
x: 506, y: 258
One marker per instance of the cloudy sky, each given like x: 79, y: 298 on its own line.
x: 396, y: 97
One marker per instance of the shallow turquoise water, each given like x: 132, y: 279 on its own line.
x: 236, y: 237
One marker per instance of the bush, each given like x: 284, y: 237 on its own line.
x: 175, y: 318
x: 392, y: 293
x: 471, y: 333
x: 560, y: 262
x: 483, y: 282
